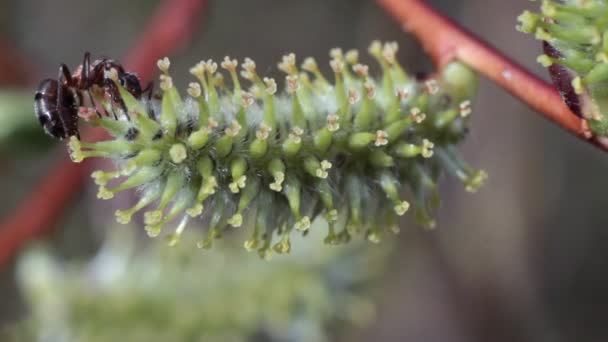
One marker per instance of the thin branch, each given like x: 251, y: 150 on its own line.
x: 169, y: 28
x: 445, y: 41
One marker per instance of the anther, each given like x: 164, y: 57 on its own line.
x: 381, y: 138
x: 271, y: 85
x: 164, y: 64
x: 353, y: 96
x: 310, y: 65
x: 166, y: 82
x: 370, y: 90
x: 333, y: 123
x: 465, y: 108
x: 432, y: 87
x: 234, y: 129
x: 248, y: 99
x: 288, y: 64
x: 229, y: 64
x: 263, y: 132
x: 337, y: 65
x: 352, y: 56
x: 194, y: 89
x: 427, y: 148
x: 361, y: 70
x: 292, y: 83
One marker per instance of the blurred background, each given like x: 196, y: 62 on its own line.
x: 522, y: 260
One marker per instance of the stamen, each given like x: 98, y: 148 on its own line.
x: 164, y: 64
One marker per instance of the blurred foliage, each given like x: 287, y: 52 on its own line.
x: 157, y: 293
x: 19, y: 124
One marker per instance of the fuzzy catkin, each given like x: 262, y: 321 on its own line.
x: 357, y: 152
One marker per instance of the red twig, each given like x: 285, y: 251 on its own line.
x: 445, y: 41
x: 169, y: 28
x: 15, y: 68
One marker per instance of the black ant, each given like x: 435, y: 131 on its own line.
x: 57, y: 101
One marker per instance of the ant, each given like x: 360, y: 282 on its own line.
x: 57, y: 101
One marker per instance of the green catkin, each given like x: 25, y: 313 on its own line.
x: 578, y: 31
x: 274, y: 162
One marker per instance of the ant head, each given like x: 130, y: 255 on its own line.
x: 131, y: 83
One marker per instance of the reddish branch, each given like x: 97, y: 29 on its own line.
x: 15, y: 68
x: 445, y: 41
x: 169, y: 28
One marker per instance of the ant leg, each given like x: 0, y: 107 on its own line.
x: 85, y: 71
x: 115, y: 94
x: 93, y: 103
x: 85, y: 80
x: 65, y: 73
x: 150, y: 90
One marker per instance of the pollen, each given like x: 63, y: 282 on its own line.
x: 166, y: 82
x: 271, y: 85
x: 263, y: 132
x: 336, y: 53
x: 310, y: 65
x: 389, y: 52
x: 163, y: 64
x: 288, y: 64
x: 296, y: 134
x: 248, y: 69
x: 199, y: 70
x: 238, y: 184
x: 431, y: 86
x: 375, y: 48
x: 402, y: 94
x: 247, y: 99
x: 303, y: 224
x: 195, y: 211
x: 352, y: 57
x: 104, y: 193
x: 194, y: 89
x: 417, y: 114
x: 212, y: 123
x: 236, y: 220
x: 326, y: 165
x: 75, y: 150
x: 277, y: 185
x: 381, y: 138
x: 370, y: 90
x: 465, y: 108
x: 293, y: 85
x: 234, y: 129
x: 333, y: 122
x: 402, y: 208
x: 229, y: 64
x: 361, y: 70
x: 353, y: 96
x: 211, y: 67
x: 337, y: 65
x: 427, y: 148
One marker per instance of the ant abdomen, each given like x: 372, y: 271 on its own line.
x: 57, y: 115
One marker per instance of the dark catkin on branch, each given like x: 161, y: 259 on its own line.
x: 275, y: 161
x: 576, y: 53
x: 445, y: 41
